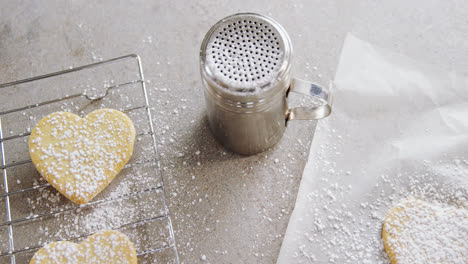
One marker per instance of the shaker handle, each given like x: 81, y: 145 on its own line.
x: 323, y: 109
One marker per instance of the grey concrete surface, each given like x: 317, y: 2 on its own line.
x: 225, y: 208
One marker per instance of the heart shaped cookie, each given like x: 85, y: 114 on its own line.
x: 104, y: 247
x: 81, y: 156
x: 415, y: 231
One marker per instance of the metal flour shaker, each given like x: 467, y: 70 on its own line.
x: 245, y: 62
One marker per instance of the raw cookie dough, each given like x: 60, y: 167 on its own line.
x: 416, y: 232
x: 81, y: 156
x: 104, y: 247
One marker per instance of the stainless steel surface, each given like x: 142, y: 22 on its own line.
x: 35, y: 220
x: 226, y: 207
x: 11, y: 244
x: 245, y: 64
x: 320, y: 109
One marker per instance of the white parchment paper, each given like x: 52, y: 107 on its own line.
x: 399, y: 128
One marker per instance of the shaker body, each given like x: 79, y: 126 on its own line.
x: 248, y: 131
x: 245, y: 64
x: 245, y: 69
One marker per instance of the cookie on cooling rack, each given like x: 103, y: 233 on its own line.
x: 104, y: 247
x: 81, y: 156
x: 415, y: 231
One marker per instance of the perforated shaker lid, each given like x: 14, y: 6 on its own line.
x: 246, y: 53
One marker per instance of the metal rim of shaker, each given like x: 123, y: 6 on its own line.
x: 284, y: 69
x: 247, y: 106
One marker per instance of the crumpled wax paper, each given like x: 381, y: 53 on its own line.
x: 399, y: 128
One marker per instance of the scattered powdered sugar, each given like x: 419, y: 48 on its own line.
x: 133, y: 204
x: 344, y: 209
x: 217, y: 194
x: 342, y: 227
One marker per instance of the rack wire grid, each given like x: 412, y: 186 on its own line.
x: 134, y: 203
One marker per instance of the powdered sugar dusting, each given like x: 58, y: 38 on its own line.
x: 102, y: 247
x: 78, y: 156
x: 342, y: 222
x: 353, y: 228
x: 133, y: 203
x: 420, y: 232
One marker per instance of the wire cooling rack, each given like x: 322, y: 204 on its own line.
x: 134, y: 203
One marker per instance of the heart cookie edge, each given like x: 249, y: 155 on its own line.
x: 387, y: 235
